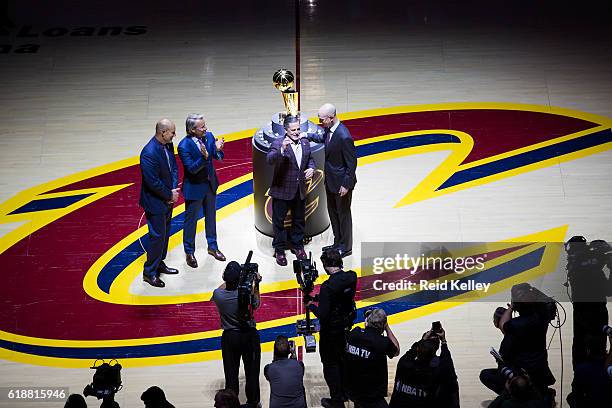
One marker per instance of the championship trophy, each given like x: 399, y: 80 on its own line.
x: 283, y: 81
x: 316, y: 205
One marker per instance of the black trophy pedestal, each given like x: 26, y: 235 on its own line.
x: 317, y: 219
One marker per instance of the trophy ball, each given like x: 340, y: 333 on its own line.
x: 283, y: 79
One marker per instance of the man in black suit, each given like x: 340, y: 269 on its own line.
x: 340, y: 165
x: 293, y: 165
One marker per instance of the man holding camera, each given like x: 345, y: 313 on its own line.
x: 293, y: 165
x: 240, y: 338
x: 336, y: 313
x: 366, y: 360
x: 524, y: 343
x: 423, y: 379
x: 286, y: 376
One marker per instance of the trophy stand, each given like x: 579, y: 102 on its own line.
x: 316, y: 205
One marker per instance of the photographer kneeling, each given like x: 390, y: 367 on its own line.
x: 424, y: 380
x: 524, y: 343
x: 240, y: 339
x: 286, y: 376
x: 336, y: 313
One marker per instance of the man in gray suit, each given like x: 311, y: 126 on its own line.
x: 340, y: 180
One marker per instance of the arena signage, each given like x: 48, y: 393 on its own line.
x: 29, y: 33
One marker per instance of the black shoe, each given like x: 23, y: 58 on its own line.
x: 330, y: 403
x: 154, y: 281
x: 162, y: 268
x: 191, y: 260
x: 344, y: 253
x: 218, y: 255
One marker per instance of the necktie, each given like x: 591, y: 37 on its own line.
x: 328, y: 136
x: 165, y: 147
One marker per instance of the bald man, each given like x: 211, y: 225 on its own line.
x: 158, y: 193
x: 340, y: 165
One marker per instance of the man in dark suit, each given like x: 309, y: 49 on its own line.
x: 340, y: 165
x: 197, y: 151
x: 293, y: 165
x: 158, y: 193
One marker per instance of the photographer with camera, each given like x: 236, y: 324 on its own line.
x: 423, y: 379
x: 524, y: 342
x: 286, y: 376
x: 519, y: 393
x: 588, y: 288
x: 240, y: 338
x: 592, y: 386
x: 336, y: 313
x: 365, y: 362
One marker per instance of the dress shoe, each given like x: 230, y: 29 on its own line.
x: 218, y: 255
x: 299, y: 253
x: 162, y: 268
x: 281, y: 259
x: 330, y: 403
x: 191, y: 260
x: 327, y: 248
x: 154, y: 281
x: 344, y: 253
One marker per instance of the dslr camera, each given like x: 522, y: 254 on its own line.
x: 503, y: 368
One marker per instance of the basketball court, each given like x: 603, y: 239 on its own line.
x: 471, y: 125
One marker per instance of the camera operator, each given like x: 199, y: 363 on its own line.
x: 524, y: 342
x: 423, y: 379
x: 365, y: 362
x: 240, y: 339
x: 286, y: 377
x: 336, y: 313
x: 592, y: 387
x: 589, y: 290
x: 519, y: 393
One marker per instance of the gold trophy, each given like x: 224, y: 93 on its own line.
x: 283, y: 81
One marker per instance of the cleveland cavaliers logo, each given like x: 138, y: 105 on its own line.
x: 75, y: 249
x: 312, y: 201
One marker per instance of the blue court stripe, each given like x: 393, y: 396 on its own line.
x: 524, y: 159
x: 115, y: 266
x: 404, y: 143
x: 408, y: 302
x: 49, y: 203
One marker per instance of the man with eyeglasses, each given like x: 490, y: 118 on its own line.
x: 340, y: 179
x: 197, y: 151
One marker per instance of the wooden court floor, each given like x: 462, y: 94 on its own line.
x: 527, y: 94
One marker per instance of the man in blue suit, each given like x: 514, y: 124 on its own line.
x: 197, y: 151
x: 158, y: 193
